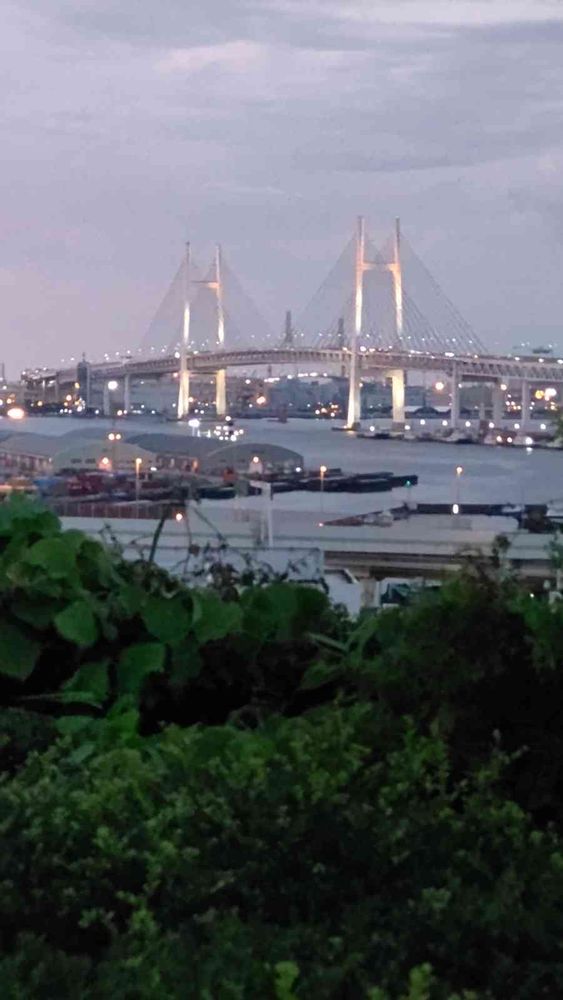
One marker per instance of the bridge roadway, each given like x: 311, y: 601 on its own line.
x: 477, y: 368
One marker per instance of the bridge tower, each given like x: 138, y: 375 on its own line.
x: 396, y: 271
x: 221, y: 375
x: 184, y: 376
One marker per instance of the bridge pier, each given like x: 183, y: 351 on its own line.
x: 221, y: 392
x: 127, y: 393
x: 106, y: 400
x: 183, y: 406
x: 398, y: 396
x: 354, y: 396
x: 454, y: 408
x: 498, y: 404
x: 525, y: 404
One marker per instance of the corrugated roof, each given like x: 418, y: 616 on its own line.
x: 204, y: 447
x: 42, y: 445
x: 174, y: 444
x: 96, y: 433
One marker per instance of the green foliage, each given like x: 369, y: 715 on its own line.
x: 21, y: 733
x: 365, y: 810
x: 67, y: 602
x: 301, y: 859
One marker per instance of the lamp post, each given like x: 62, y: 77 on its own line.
x: 458, y: 474
x: 323, y: 471
x: 138, y: 464
x: 113, y: 438
x: 109, y: 388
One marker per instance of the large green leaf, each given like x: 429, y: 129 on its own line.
x: 319, y: 674
x: 77, y: 624
x: 21, y: 515
x: 54, y: 556
x: 90, y: 679
x: 213, y: 618
x: 186, y: 662
x: 131, y: 598
x: 168, y: 619
x: 137, y: 662
x: 282, y: 611
x: 36, y: 611
x: 18, y: 653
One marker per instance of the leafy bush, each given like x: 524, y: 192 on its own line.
x: 365, y: 810
x: 200, y: 861
x: 83, y: 632
x: 480, y: 662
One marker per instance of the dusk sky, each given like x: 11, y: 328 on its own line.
x: 130, y: 126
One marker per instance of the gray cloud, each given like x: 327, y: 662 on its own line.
x: 269, y: 125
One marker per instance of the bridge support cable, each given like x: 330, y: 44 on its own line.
x: 165, y: 331
x: 317, y: 323
x: 245, y: 323
x: 452, y: 329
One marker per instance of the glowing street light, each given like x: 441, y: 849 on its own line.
x: 138, y: 464
x: 113, y: 384
x: 458, y: 475
x: 323, y: 471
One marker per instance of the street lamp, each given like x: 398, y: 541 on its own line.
x: 458, y: 475
x: 113, y: 438
x: 323, y: 471
x: 138, y: 464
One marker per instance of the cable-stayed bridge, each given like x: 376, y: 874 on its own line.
x: 378, y: 310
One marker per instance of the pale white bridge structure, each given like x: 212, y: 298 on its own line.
x: 379, y: 313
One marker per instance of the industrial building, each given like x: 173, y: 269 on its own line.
x: 91, y: 448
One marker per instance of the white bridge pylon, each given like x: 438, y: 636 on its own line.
x: 393, y: 305
x: 382, y: 301
x: 215, y: 284
x: 363, y: 265
x: 204, y: 313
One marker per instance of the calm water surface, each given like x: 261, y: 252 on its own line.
x: 490, y: 475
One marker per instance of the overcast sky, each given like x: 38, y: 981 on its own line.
x: 132, y: 125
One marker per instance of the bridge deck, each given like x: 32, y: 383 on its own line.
x: 486, y: 367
